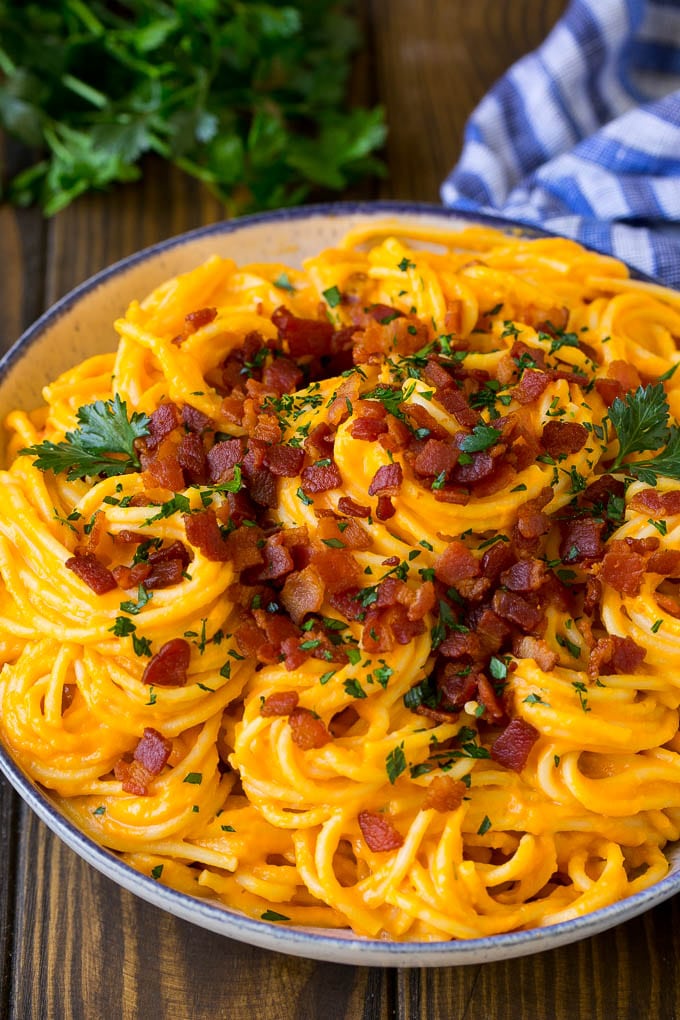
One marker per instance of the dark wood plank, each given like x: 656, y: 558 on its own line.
x: 89, y: 949
x: 434, y: 61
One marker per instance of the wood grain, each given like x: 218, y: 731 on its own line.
x: 75, y: 945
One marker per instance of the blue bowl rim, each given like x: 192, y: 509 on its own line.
x: 212, y: 915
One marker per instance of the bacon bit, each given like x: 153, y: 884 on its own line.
x: 68, y: 693
x: 457, y: 690
x: 303, y: 336
x: 192, y: 459
x: 666, y: 562
x: 349, y: 532
x: 602, y: 488
x: 203, y: 532
x: 252, y: 644
x: 232, y: 408
x: 342, y: 406
x: 280, y: 703
x: 491, y: 630
x: 496, y: 559
x: 625, y: 374
x: 420, y: 418
x: 308, y: 732
x: 623, y: 569
x: 486, y: 695
x: 368, y: 429
x: 668, y: 604
x: 284, y: 461
x: 500, y: 478
x: 656, y: 504
x: 397, y: 436
x: 282, y: 375
x: 524, y: 576
x: 223, y: 457
x: 337, y: 568
x: 387, y: 480
x: 511, y: 749
x: 481, y: 466
x: 127, y: 537
x: 169, y: 666
x: 161, y: 467
x: 436, y: 457
x: 421, y: 601
x: 613, y: 653
x: 379, y: 832
x: 517, y: 610
x: 434, y: 374
x: 133, y: 777
x: 195, y: 420
x: 320, y: 478
x: 563, y: 437
x: 244, y: 547
x: 93, y: 572
x: 461, y: 645
x: 531, y: 523
x: 303, y: 593
x: 372, y: 408
x: 267, y: 429
x: 453, y: 401
x: 385, y: 508
x: 456, y: 563
x: 262, y: 487
x: 530, y: 387
x: 162, y: 421
x: 444, y: 794
x: 452, y: 495
x: 379, y: 312
x: 153, y: 751
x: 529, y: 647
x: 196, y: 320
x: 277, y: 560
x: 158, y: 575
x: 349, y: 508
x: 592, y: 596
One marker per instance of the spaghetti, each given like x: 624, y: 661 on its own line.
x: 377, y: 625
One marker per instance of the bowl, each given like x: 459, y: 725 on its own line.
x: 79, y: 325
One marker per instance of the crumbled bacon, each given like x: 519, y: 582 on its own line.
x: 480, y: 467
x: 164, y: 574
x: 444, y: 794
x: 453, y: 401
x: 284, y: 461
x: 303, y: 593
x: 303, y: 336
x: 563, y: 437
x: 169, y: 666
x: 320, y: 478
x: 244, y: 548
x: 486, y: 696
x: 368, y: 429
x: 203, y: 532
x: 615, y: 654
x: 379, y: 832
x: 337, y: 568
x: 201, y: 317
x: 280, y: 703
x: 278, y: 561
x: 529, y: 647
x: 420, y: 418
x: 348, y: 532
x: 623, y: 569
x: 666, y: 562
x: 517, y: 610
x: 267, y: 429
x: 582, y: 540
x: 223, y: 457
x: 668, y: 604
x: 525, y: 575
x: 133, y: 777
x: 385, y: 508
x: 457, y: 690
x: 161, y: 467
x: 192, y: 459
x: 282, y: 375
x: 437, y: 457
x: 496, y: 559
x: 530, y: 387
x: 387, y: 480
x: 93, y: 572
x: 162, y: 422
x: 512, y: 748
x: 349, y: 508
x: 456, y: 563
x: 308, y: 731
x: 153, y: 751
x: 195, y: 420
x: 656, y: 504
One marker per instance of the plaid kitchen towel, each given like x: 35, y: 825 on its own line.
x: 582, y: 136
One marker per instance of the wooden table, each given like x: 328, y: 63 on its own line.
x: 72, y: 944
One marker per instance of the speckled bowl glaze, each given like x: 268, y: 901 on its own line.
x: 79, y: 326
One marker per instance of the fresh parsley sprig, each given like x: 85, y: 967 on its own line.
x: 641, y: 421
x: 103, y: 443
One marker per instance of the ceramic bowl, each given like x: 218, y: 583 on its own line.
x: 80, y: 325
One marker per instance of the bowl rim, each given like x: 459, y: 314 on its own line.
x: 318, y: 944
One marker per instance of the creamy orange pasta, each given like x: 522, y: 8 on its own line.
x: 348, y: 595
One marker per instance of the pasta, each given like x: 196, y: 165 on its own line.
x: 347, y: 595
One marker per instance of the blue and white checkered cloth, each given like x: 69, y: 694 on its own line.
x: 582, y: 136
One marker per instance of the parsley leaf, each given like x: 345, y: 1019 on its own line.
x: 103, y: 443
x: 641, y: 423
x: 481, y: 438
x: 395, y: 763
